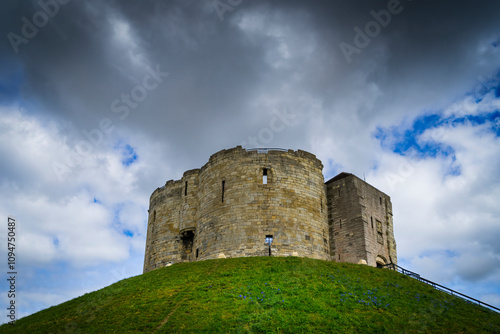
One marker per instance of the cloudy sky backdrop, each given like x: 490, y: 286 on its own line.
x: 101, y: 102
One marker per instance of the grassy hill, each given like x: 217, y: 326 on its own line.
x: 263, y: 295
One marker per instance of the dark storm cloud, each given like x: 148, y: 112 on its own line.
x: 76, y: 67
x: 222, y: 72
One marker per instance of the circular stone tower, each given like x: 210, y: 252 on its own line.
x: 262, y: 202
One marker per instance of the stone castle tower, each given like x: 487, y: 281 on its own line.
x: 268, y: 202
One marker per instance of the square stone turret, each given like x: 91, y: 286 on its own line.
x: 360, y: 220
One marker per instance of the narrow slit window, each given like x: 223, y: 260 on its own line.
x: 223, y: 189
x: 371, y: 218
x: 154, y: 215
x: 269, y: 241
x: 197, y: 252
x: 186, y: 188
x: 339, y: 192
x: 264, y: 176
x: 340, y: 221
x: 380, y: 198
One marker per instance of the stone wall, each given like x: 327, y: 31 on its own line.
x: 345, y: 221
x: 227, y: 210
x: 239, y: 198
x: 163, y: 239
x: 360, y: 218
x: 289, y: 207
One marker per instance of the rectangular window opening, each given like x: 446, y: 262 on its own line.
x: 269, y: 240
x: 154, y: 215
x: 186, y: 188
x: 380, y: 198
x: 196, y: 252
x: 264, y: 176
x: 223, y: 188
x: 371, y: 218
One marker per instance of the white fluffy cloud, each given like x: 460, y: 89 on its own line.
x: 446, y: 206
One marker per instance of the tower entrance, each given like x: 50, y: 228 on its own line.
x: 187, y: 239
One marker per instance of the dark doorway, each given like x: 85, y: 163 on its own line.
x: 187, y: 239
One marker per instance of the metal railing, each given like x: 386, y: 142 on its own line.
x: 437, y: 286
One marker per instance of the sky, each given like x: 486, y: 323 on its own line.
x: 101, y: 102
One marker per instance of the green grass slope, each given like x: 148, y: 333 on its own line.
x: 263, y: 295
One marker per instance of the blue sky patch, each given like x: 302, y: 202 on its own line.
x: 118, y: 225
x: 402, y: 140
x: 129, y: 155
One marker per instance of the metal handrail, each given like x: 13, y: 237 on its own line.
x: 437, y: 286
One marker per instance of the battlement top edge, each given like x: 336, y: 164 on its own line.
x: 344, y: 175
x: 167, y: 184
x: 240, y: 150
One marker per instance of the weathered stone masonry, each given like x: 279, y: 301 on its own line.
x: 242, y: 198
